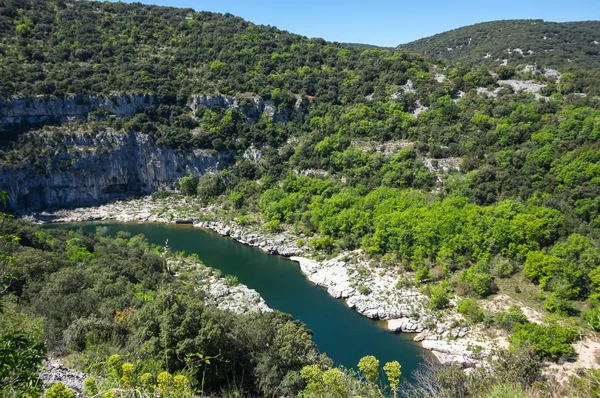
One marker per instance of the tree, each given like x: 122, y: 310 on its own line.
x: 553, y: 342
x: 21, y: 346
x: 369, y: 365
x: 188, y: 185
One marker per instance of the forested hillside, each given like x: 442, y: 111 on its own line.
x: 467, y: 181
x: 548, y: 44
x: 568, y: 46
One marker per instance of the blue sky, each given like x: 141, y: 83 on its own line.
x: 388, y: 22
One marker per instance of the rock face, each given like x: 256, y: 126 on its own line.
x: 251, y: 107
x: 101, y: 167
x: 81, y: 107
x: 43, y: 110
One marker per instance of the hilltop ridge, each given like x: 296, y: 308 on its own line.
x: 562, y: 45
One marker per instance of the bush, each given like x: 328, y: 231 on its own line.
x: 592, y: 317
x: 273, y: 226
x: 160, y: 195
x: 59, y: 390
x: 553, y: 342
x: 364, y: 290
x: 471, y: 311
x: 438, y: 296
x: 188, y: 185
x: 482, y: 284
x: 325, y: 243
x: 210, y: 186
x: 237, y: 199
x: 83, y: 330
x: 503, y: 268
x: 423, y: 274
x: 509, y: 319
x: 559, y: 305
x: 507, y: 391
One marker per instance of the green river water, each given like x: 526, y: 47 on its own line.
x: 343, y: 334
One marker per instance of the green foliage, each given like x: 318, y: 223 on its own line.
x: 125, y: 379
x: 210, y: 186
x: 438, y: 296
x: 510, y: 319
x: 112, y: 299
x: 89, y: 386
x: 393, y: 372
x: 364, y: 290
x: 423, y: 274
x: 509, y: 372
x: 188, y: 185
x: 273, y: 226
x: 553, y: 342
x: 563, y: 46
x: 369, y: 366
x: 20, y: 363
x: 507, y: 391
x: 343, y: 383
x: 471, y: 311
x: 59, y: 390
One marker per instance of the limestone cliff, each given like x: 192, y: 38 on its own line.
x: 52, y: 109
x: 251, y: 107
x: 40, y: 110
x: 89, y: 169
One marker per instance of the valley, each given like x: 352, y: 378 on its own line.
x: 452, y: 195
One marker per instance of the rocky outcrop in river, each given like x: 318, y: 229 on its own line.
x: 89, y: 169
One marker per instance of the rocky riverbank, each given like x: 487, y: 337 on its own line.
x: 224, y: 293
x: 374, y: 291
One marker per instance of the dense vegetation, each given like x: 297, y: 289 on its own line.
x: 567, y: 46
x: 110, y: 306
x: 97, y: 295
x: 377, y: 150
x: 548, y: 44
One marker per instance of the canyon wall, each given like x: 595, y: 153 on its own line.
x: 89, y: 169
x: 52, y: 109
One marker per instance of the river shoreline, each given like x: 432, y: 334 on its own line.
x: 371, y: 291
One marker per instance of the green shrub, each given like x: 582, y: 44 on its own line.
x: 237, y: 199
x: 482, y: 284
x: 84, y: 330
x: 471, y: 311
x: 325, y: 243
x: 273, y: 226
x: 506, y: 391
x: 161, y: 194
x: 423, y: 274
x: 557, y: 304
x: 553, y: 342
x: 592, y: 317
x: 364, y: 290
x: 438, y: 296
x: 188, y: 185
x: 59, y: 390
x: 510, y: 318
x: 369, y: 366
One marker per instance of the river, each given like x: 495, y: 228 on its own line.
x: 343, y: 334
